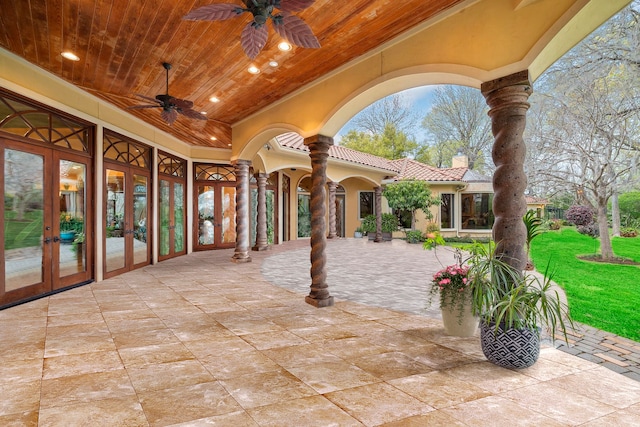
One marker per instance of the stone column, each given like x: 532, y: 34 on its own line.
x: 318, y: 152
x: 242, y: 211
x: 507, y: 99
x: 332, y: 210
x: 262, y: 242
x: 378, y: 195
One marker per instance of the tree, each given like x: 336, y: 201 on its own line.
x: 410, y: 195
x: 391, y: 143
x: 584, y: 133
x: 458, y: 122
x: 391, y: 110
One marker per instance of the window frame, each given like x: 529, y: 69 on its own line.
x: 373, y: 203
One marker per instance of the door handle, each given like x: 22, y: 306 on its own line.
x: 56, y: 239
x: 47, y: 240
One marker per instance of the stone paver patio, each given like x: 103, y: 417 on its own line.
x: 199, y: 340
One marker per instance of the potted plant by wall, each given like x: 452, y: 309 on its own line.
x: 389, y: 225
x: 358, y: 233
x: 513, y: 308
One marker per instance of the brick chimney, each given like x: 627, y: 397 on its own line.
x: 460, y: 161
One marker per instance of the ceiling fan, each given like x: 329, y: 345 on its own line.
x: 254, y: 35
x: 171, y: 106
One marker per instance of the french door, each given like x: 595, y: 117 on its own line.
x: 126, y: 212
x: 215, y: 216
x: 171, y: 208
x: 47, y: 235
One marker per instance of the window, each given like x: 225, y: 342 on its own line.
x: 404, y: 217
x: 447, y: 209
x: 366, y: 205
x: 477, y: 213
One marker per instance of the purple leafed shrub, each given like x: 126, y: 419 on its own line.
x: 579, y: 215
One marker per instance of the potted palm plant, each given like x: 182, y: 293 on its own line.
x: 513, y: 308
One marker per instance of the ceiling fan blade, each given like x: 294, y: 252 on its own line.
x: 294, y: 5
x: 253, y: 39
x: 181, y: 103
x: 169, y: 115
x: 136, y: 107
x: 214, y: 12
x: 148, y: 98
x: 296, y: 31
x: 192, y: 114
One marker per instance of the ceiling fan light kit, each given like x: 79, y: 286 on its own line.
x: 254, y: 35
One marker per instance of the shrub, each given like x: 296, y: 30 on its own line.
x: 389, y: 223
x: 414, y: 236
x: 553, y: 224
x: 628, y: 232
x: 629, y: 204
x: 590, y: 230
x: 579, y: 215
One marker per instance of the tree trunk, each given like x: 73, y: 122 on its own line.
x: 603, y: 226
x: 615, y: 215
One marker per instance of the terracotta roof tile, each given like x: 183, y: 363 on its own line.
x: 295, y: 141
x: 404, y: 168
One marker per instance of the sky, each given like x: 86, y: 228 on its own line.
x: 418, y: 99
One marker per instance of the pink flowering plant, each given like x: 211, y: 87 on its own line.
x: 451, y: 283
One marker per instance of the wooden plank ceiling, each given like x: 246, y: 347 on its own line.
x: 123, y: 43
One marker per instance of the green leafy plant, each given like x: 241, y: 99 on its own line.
x: 410, y: 195
x: 414, y: 236
x: 533, y: 225
x: 504, y: 296
x: 389, y: 223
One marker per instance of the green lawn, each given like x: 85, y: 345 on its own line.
x: 605, y: 296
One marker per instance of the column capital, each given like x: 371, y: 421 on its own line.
x: 319, y: 140
x: 515, y: 79
x: 241, y: 162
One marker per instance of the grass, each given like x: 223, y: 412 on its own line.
x: 605, y: 296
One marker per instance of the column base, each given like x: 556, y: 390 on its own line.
x: 260, y: 248
x: 319, y: 303
x: 240, y: 258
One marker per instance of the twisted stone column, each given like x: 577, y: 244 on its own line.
x: 378, y: 201
x: 507, y: 97
x: 242, y: 211
x: 318, y: 152
x: 262, y: 242
x: 332, y: 210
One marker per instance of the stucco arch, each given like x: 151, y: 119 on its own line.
x: 260, y: 138
x: 397, y: 81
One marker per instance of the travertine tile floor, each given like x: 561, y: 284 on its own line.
x: 200, y: 340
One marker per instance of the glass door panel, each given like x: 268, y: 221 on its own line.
x: 165, y: 217
x: 206, y: 218
x: 179, y: 218
x: 26, y: 248
x: 140, y: 196
x: 228, y: 215
x: 114, y: 215
x: 72, y: 213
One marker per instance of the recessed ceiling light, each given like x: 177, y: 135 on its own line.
x: 203, y: 112
x: 273, y: 64
x: 70, y: 55
x: 229, y: 145
x: 214, y: 99
x: 253, y: 69
x: 284, y: 46
x: 213, y: 138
